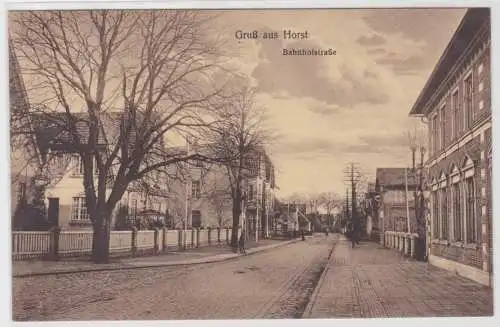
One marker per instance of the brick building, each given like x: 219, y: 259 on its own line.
x: 390, y: 186
x: 456, y: 105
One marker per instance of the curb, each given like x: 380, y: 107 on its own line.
x: 314, y: 295
x: 191, y: 262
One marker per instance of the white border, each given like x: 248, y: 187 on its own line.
x: 4, y: 164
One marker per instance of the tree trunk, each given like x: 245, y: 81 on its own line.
x: 100, y: 240
x: 236, y: 222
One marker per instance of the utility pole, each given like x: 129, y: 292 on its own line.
x: 407, y: 202
x: 352, y: 177
x: 186, y: 200
x: 346, y: 205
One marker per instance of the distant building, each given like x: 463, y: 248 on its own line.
x: 208, y: 200
x: 290, y: 216
x: 391, y: 185
x: 456, y: 103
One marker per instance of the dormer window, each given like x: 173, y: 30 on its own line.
x: 77, y: 164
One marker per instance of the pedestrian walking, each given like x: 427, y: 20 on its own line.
x: 241, y: 242
x: 351, y: 234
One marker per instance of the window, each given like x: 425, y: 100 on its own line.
x: 457, y: 213
x: 79, y: 209
x: 435, y: 135
x: 444, y: 214
x: 471, y: 211
x: 456, y: 130
x: 442, y: 127
x: 468, y: 94
x: 195, y: 189
x: 399, y: 197
x: 78, y: 166
x: 435, y: 215
x: 133, y: 205
x: 196, y: 219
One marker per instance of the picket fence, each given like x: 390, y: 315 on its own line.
x: 56, y: 243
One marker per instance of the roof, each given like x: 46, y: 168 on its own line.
x: 52, y: 128
x: 388, y: 177
x: 252, y: 161
x: 466, y: 31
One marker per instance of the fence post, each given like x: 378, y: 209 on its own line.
x: 54, y: 243
x: 156, y: 246
x: 228, y: 240
x: 134, y: 240
x: 197, y: 237
x: 218, y: 235
x: 179, y: 238
x: 164, y: 239
x: 413, y: 244
x: 209, y: 236
x: 193, y: 237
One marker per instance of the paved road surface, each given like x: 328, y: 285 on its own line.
x: 274, y: 284
x: 363, y: 282
x: 370, y: 282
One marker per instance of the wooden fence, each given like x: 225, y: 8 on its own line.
x: 56, y: 243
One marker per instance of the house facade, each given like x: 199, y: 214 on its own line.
x: 66, y: 191
x: 393, y: 196
x: 201, y: 198
x: 260, y: 196
x: 40, y: 167
x: 456, y: 105
x: 292, y: 216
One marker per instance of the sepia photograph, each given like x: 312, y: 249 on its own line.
x: 273, y: 163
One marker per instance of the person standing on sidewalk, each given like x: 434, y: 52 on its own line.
x: 241, y: 242
x: 351, y: 234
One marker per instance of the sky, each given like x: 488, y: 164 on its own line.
x: 329, y: 111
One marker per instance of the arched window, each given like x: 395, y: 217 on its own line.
x: 471, y: 220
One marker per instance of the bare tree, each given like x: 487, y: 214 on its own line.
x: 138, y: 75
x: 219, y: 197
x: 329, y: 201
x: 240, y: 137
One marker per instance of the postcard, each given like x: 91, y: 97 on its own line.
x: 182, y: 164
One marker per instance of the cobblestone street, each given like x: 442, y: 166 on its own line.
x: 372, y: 282
x: 273, y: 284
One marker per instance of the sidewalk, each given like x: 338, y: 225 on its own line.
x: 372, y: 282
x: 174, y: 258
